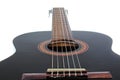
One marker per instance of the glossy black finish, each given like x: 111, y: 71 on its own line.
x: 28, y: 58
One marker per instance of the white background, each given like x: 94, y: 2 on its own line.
x: 23, y: 16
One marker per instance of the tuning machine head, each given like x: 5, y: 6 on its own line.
x: 50, y: 12
x: 66, y: 11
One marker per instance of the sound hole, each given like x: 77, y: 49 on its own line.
x: 63, y: 46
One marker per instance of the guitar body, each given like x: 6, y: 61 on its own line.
x: 28, y: 59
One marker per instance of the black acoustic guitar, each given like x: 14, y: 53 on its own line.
x: 61, y: 55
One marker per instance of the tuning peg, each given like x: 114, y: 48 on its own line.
x: 50, y: 11
x: 66, y: 11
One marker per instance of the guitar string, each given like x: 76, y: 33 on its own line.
x: 79, y: 63
x: 68, y: 64
x: 56, y: 40
x: 56, y: 28
x: 61, y: 31
x: 68, y: 32
x: 69, y: 37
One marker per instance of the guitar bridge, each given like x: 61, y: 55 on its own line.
x: 67, y: 73
x: 105, y: 75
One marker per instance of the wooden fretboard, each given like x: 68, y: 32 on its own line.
x: 60, y: 25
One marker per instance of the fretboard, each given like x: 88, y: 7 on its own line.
x: 60, y: 25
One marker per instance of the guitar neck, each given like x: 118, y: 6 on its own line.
x: 60, y: 25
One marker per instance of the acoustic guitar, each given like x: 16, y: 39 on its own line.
x: 61, y: 54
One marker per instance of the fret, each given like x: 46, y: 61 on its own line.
x: 60, y: 25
